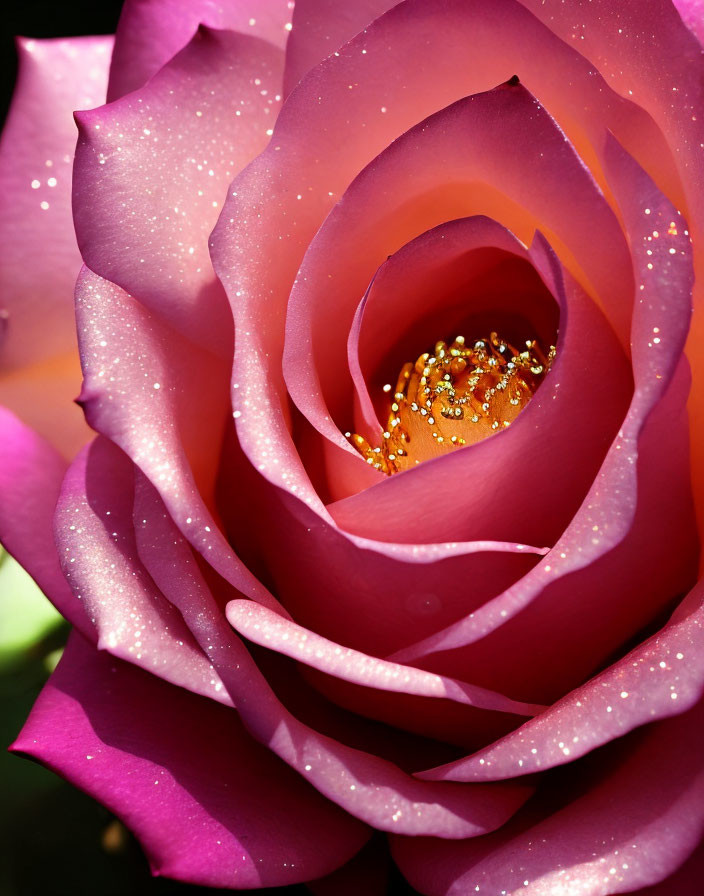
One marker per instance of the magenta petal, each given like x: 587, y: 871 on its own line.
x: 635, y: 824
x: 209, y: 805
x: 152, y: 171
x: 150, y: 32
x: 692, y: 12
x: 30, y: 478
x: 39, y: 258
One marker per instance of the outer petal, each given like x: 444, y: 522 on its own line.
x: 638, y: 820
x: 163, y: 400
x: 152, y: 169
x: 96, y: 544
x: 39, y: 258
x: 692, y: 12
x: 30, y: 477
x: 150, y: 32
x: 209, y: 805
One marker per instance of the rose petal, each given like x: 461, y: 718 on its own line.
x: 692, y: 12
x: 152, y: 169
x: 150, y: 32
x: 663, y: 676
x: 39, y: 258
x: 31, y: 471
x: 435, y: 173
x: 270, y: 630
x: 464, y: 494
x: 320, y: 27
x: 586, y: 615
x: 402, y: 696
x: 320, y: 124
x: 634, y: 825
x: 668, y: 82
x: 209, y: 805
x: 659, y: 329
x: 686, y: 881
x: 386, y: 594
x: 166, y: 415
x: 98, y: 555
x: 370, y: 788
x: 504, y: 35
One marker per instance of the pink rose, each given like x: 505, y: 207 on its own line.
x: 480, y: 633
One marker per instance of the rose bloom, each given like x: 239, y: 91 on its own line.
x: 382, y: 543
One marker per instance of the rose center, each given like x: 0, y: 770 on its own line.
x: 455, y: 396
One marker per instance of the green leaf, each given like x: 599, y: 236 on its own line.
x: 26, y: 616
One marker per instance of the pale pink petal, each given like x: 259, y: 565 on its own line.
x: 163, y: 400
x: 150, y: 32
x: 152, y: 171
x: 31, y: 471
x: 626, y: 819
x: 96, y: 544
x: 209, y: 805
x: 267, y: 628
x: 39, y: 258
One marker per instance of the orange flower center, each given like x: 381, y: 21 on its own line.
x: 455, y: 396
